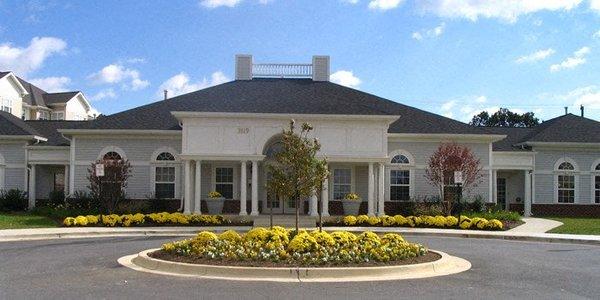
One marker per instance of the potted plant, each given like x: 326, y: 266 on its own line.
x: 215, y: 203
x: 351, y: 203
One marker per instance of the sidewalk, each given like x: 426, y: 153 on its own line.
x: 533, y: 231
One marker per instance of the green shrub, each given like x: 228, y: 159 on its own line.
x: 82, y: 200
x: 499, y: 215
x: 56, y: 198
x: 13, y: 200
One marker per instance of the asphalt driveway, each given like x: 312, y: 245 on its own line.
x: 88, y: 269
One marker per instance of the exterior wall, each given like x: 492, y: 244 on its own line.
x: 138, y: 151
x: 75, y: 110
x: 515, y: 185
x: 421, y: 151
x: 248, y: 136
x: 9, y: 91
x: 545, y: 161
x: 14, y: 166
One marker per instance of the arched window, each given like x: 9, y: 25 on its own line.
x: 112, y: 155
x: 273, y: 149
x: 566, y: 182
x: 165, y: 156
x: 400, y: 177
x: 164, y: 176
x: 400, y: 159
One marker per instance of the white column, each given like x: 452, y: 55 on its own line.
x: 494, y: 186
x: 31, y: 190
x: 527, y: 201
x: 371, y: 191
x: 198, y: 189
x: 67, y: 180
x: 254, y: 211
x: 325, y: 199
x: 243, y: 192
x: 187, y: 199
x: 314, y: 205
x: 381, y: 190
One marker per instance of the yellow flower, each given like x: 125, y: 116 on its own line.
x: 69, y: 221
x: 349, y: 220
x: 451, y: 221
x: 205, y: 237
x: 230, y: 235
x: 361, y: 219
x: 323, y: 238
x: 92, y: 220
x: 373, y: 220
x: 302, y: 243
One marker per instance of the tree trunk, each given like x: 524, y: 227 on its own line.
x: 271, y: 210
x: 297, y: 199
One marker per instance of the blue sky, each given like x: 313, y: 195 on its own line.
x: 452, y: 57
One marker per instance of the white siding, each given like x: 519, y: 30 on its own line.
x: 9, y: 91
x: 14, y: 168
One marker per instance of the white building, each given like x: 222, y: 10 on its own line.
x: 218, y: 138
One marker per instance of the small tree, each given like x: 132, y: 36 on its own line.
x: 296, y: 170
x: 109, y: 190
x: 447, y: 159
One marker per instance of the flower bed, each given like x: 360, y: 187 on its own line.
x: 281, y: 247
x: 155, y: 219
x: 420, y: 221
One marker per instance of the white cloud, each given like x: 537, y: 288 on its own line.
x: 104, y: 94
x: 448, y: 105
x: 507, y: 10
x: 464, y: 108
x: 430, y: 33
x: 588, y: 96
x: 219, y: 3
x: 596, y: 34
x: 52, y: 84
x: 577, y: 59
x: 535, y: 56
x: 384, y: 4
x: 350, y: 1
x: 481, y: 99
x: 345, y: 78
x: 25, y: 60
x: 117, y: 73
x: 181, y: 84
x: 595, y: 5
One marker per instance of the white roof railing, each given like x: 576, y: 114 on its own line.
x: 282, y: 70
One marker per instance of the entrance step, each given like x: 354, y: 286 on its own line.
x: 287, y: 221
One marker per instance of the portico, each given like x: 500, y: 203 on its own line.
x: 243, y: 141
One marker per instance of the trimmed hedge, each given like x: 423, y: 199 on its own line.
x: 154, y: 219
x: 420, y: 221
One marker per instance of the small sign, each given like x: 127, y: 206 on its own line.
x: 99, y: 170
x: 458, y: 178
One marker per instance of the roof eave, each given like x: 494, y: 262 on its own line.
x: 488, y: 138
x: 180, y: 115
x: 562, y: 144
x: 23, y: 137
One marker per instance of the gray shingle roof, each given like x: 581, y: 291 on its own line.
x: 283, y: 96
x: 568, y: 128
x: 514, y: 136
x: 2, y: 74
x: 48, y: 129
x: 58, y: 98
x: 11, y: 125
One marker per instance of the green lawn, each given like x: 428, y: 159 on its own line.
x: 577, y: 225
x: 24, y: 220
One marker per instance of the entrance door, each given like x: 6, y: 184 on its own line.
x: 501, y: 191
x: 280, y: 207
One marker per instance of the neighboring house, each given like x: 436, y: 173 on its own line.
x: 218, y: 139
x: 27, y: 101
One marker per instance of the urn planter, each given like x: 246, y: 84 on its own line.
x: 215, y: 205
x: 351, y: 207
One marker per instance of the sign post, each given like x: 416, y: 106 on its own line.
x: 99, y: 170
x: 458, y: 181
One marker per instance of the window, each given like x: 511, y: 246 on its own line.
x: 342, y: 183
x: 6, y: 105
x: 112, y: 155
x: 501, y: 191
x: 224, y: 182
x: 58, y: 115
x: 43, y: 115
x: 59, y: 182
x: 164, y: 178
x: 566, y: 183
x: 399, y: 185
x: 400, y: 159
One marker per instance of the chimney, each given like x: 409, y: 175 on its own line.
x: 165, y: 92
x: 566, y: 110
x: 320, y: 68
x: 582, y: 111
x: 243, y: 67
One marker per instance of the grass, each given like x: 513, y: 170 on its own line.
x: 577, y: 225
x: 24, y: 220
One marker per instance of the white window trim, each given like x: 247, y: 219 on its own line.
x: 175, y: 163
x: 574, y: 172
x: 2, y: 172
x: 352, y: 180
x: 56, y: 114
x: 236, y: 192
x: 395, y: 166
x: 111, y: 149
x: 593, y: 174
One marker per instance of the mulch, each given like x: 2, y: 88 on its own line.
x: 159, y: 254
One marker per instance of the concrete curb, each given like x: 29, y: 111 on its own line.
x: 446, y: 265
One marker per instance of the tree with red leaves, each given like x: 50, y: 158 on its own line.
x: 447, y: 159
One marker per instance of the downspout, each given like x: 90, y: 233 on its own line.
x: 181, y: 200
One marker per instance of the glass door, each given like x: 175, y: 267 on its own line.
x: 501, y: 192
